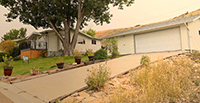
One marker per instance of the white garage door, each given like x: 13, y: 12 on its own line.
x: 165, y: 40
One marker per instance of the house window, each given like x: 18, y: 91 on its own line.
x: 93, y: 41
x: 81, y: 41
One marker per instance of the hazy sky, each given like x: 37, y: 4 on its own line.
x: 141, y: 12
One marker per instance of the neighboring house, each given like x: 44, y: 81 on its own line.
x: 49, y: 41
x: 178, y: 34
x: 84, y: 42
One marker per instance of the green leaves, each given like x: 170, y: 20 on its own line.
x: 97, y: 77
x: 90, y: 32
x: 112, y: 46
x: 15, y: 34
x: 32, y: 11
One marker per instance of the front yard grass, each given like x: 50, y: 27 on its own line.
x: 43, y: 64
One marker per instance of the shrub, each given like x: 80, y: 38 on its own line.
x: 145, y: 61
x: 122, y: 95
x: 7, y: 46
x: 89, y: 52
x: 15, y: 52
x: 195, y: 55
x: 16, y: 58
x: 43, y: 53
x: 173, y: 80
x: 112, y: 46
x: 77, y: 53
x: 1, y: 55
x: 100, y: 54
x: 97, y: 77
x: 165, y: 80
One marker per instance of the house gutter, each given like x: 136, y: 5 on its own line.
x: 189, y: 36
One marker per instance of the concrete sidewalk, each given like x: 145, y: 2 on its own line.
x: 46, y: 88
x: 4, y: 99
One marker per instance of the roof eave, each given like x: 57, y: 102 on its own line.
x: 196, y: 19
x: 74, y: 30
x: 142, y: 31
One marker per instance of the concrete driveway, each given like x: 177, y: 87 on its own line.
x: 46, y: 88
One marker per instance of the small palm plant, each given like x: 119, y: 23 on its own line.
x: 7, y: 61
x: 90, y: 54
x: 77, y: 56
x: 7, y: 65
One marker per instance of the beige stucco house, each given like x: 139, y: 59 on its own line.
x: 49, y: 40
x: 178, y: 34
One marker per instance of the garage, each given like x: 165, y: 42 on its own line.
x: 158, y: 41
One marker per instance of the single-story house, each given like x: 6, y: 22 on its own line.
x: 171, y: 35
x: 48, y: 40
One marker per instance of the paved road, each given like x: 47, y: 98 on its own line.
x: 46, y: 88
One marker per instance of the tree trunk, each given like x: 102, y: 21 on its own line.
x: 68, y: 43
x: 68, y: 50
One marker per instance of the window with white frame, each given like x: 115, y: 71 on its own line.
x: 94, y: 42
x: 81, y: 41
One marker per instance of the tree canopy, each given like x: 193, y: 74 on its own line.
x: 15, y: 34
x: 62, y: 14
x: 90, y: 32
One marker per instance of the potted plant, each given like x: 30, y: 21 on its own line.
x: 35, y: 70
x: 60, y: 63
x: 77, y: 56
x: 90, y: 54
x: 7, y: 65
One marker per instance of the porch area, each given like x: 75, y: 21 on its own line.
x: 33, y: 49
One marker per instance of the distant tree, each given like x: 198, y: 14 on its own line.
x: 90, y: 32
x: 62, y: 14
x: 112, y: 46
x: 7, y: 46
x: 15, y: 34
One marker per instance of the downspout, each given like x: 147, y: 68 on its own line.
x: 189, y: 36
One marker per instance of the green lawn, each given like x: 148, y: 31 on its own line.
x: 42, y: 63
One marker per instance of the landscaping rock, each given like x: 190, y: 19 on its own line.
x: 75, y: 94
x: 126, y: 87
x: 98, y: 94
x: 120, y: 76
x: 12, y: 78
x: 88, y: 99
x: 52, y: 71
x: 89, y: 62
x: 79, y: 99
x: 68, y: 100
x: 89, y: 91
x: 116, y: 80
x: 74, y: 64
x: 83, y: 94
x: 16, y: 81
x: 196, y: 65
x: 3, y: 77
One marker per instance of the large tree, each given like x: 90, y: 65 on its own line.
x: 15, y: 34
x: 62, y: 14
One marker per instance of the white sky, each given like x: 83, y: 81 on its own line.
x: 141, y: 12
